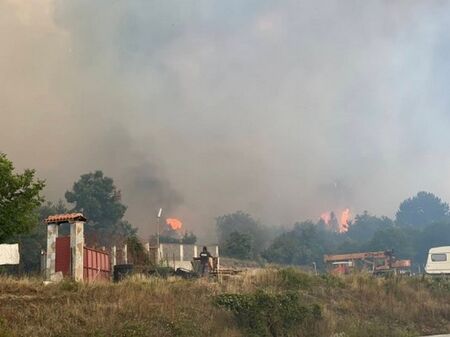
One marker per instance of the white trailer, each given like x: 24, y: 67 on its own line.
x: 438, y: 261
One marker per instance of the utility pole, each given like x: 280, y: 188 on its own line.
x: 158, y: 217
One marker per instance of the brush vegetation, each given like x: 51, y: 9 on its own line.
x: 265, y: 302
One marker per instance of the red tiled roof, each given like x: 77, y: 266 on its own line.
x: 61, y: 218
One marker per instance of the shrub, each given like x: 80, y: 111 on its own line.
x: 294, y: 279
x: 438, y: 284
x: 332, y: 281
x: 262, y: 314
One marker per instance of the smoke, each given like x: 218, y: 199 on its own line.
x: 280, y: 108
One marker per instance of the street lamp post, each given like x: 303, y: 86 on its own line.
x: 158, y: 217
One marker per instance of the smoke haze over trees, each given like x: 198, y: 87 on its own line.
x: 239, y: 234
x: 283, y: 108
x: 308, y: 242
x: 421, y: 210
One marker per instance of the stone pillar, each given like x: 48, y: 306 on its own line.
x: 147, y: 249
x: 125, y: 253
x: 77, y: 248
x: 52, y: 234
x: 218, y: 258
x: 195, y: 251
x: 181, y: 253
x: 43, y: 263
x: 113, y: 256
x: 160, y: 252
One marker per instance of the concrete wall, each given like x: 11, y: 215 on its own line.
x: 170, y: 251
x: 180, y: 256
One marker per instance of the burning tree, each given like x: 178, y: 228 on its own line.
x: 332, y: 223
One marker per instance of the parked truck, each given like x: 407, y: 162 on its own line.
x: 380, y: 262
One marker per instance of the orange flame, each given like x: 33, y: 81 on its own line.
x: 175, y: 224
x: 345, y: 218
x: 326, y: 217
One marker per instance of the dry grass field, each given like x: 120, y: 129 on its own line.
x: 266, y: 302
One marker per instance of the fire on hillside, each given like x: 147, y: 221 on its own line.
x: 334, y: 223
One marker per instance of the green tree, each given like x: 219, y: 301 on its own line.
x: 434, y: 235
x: 238, y: 245
x: 303, y: 245
x: 365, y: 225
x: 20, y: 196
x: 189, y: 238
x: 242, y: 223
x: 401, y: 241
x: 96, y: 196
x: 422, y: 210
x: 136, y: 251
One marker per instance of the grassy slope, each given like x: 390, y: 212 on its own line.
x: 355, y: 306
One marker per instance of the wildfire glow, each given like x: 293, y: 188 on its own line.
x: 175, y: 224
x: 339, y: 225
x: 326, y: 217
x: 345, y: 217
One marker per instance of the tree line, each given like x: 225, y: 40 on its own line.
x: 421, y: 222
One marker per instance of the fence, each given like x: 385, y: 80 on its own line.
x: 96, y: 263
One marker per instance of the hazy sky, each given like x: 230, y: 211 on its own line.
x: 280, y: 108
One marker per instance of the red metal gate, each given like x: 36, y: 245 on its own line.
x: 97, y: 265
x: 63, y: 256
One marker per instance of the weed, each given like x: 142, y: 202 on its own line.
x: 68, y: 285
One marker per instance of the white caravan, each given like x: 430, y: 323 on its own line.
x: 438, y: 261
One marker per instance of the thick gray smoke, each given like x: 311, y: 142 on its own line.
x: 283, y: 108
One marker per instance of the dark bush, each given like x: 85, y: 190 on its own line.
x: 262, y: 314
x: 294, y: 279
